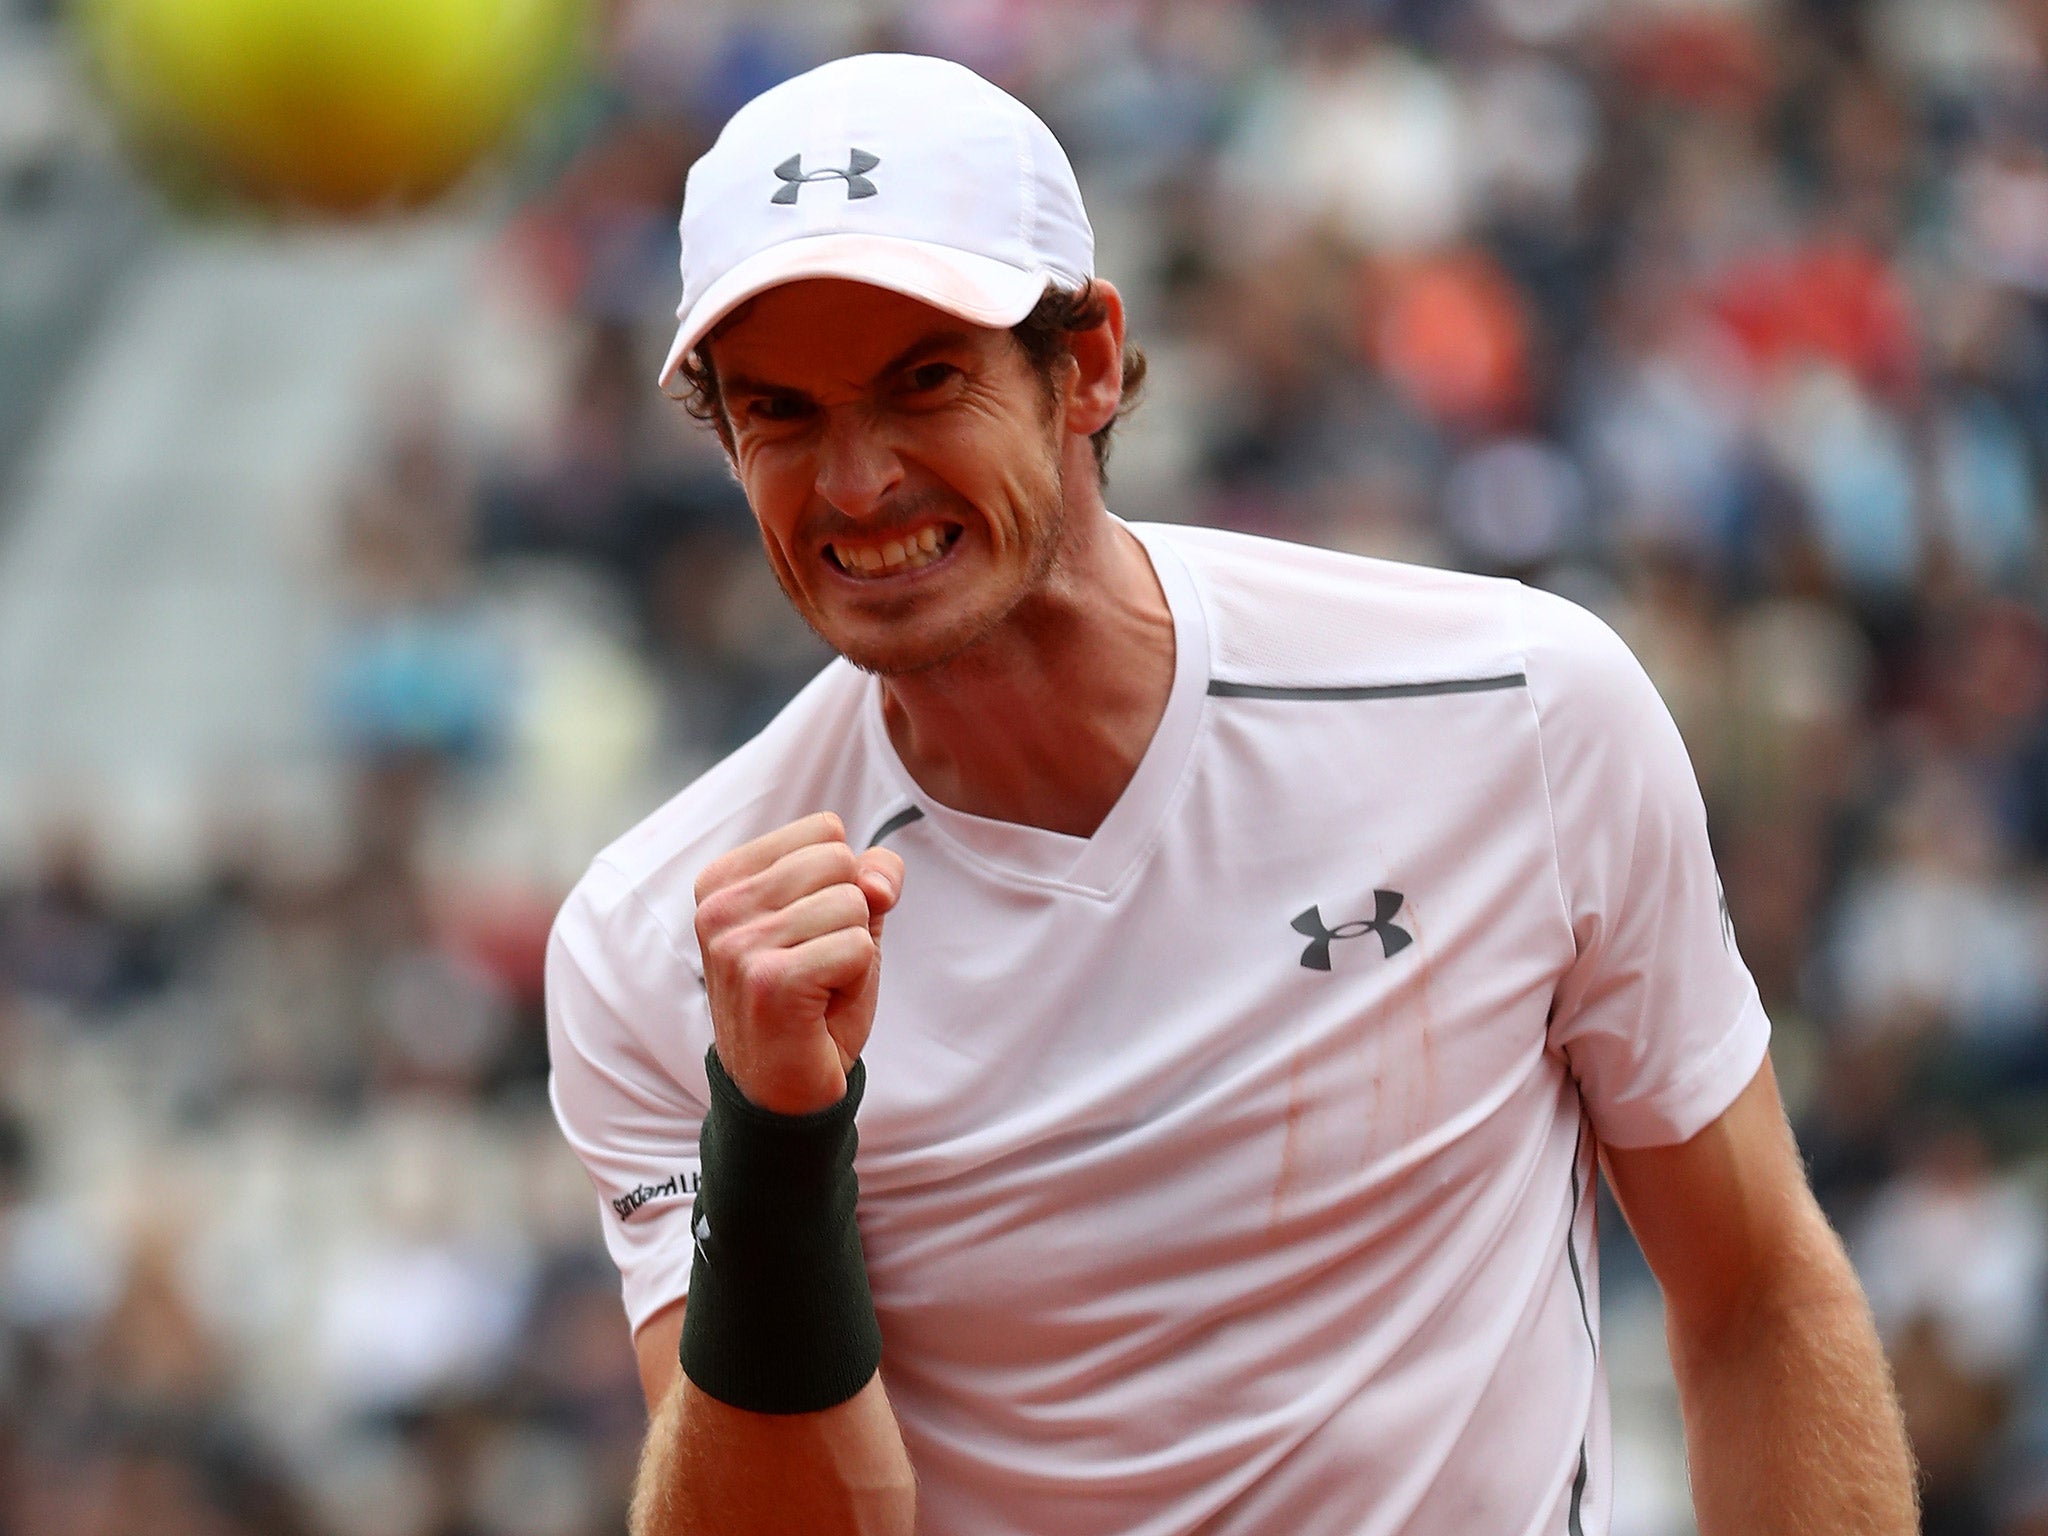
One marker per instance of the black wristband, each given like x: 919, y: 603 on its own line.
x: 779, y: 1318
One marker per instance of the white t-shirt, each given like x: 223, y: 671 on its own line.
x: 1227, y: 1169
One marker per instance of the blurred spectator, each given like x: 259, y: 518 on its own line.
x: 62, y: 939
x: 417, y: 669
x: 1939, y: 936
x: 1955, y: 1261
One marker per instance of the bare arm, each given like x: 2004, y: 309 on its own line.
x: 790, y: 928
x: 710, y: 1468
x: 1791, y: 1424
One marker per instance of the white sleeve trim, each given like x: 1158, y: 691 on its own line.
x: 1681, y: 1110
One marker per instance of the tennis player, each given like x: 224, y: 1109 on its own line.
x: 1276, y: 942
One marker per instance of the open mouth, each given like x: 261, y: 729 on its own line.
x: 896, y: 555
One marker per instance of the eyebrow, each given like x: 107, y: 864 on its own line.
x: 916, y: 352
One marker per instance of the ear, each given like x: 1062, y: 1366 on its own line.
x: 1098, y: 382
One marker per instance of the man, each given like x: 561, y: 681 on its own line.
x: 1275, y: 942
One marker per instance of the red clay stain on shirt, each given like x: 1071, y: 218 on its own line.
x: 1425, y: 974
x: 1290, y: 1141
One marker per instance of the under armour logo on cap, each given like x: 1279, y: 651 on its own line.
x: 1320, y: 935
x: 791, y: 174
x: 977, y: 218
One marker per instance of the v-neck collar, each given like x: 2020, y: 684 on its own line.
x: 1097, y: 865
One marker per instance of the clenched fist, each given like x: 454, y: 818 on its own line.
x: 790, y: 927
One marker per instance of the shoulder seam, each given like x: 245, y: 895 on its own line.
x: 668, y: 937
x: 1543, y: 764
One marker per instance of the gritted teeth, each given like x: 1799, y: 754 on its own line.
x: 903, y: 552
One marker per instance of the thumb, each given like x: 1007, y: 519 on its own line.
x: 881, y: 880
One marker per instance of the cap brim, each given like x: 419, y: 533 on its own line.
x: 979, y: 289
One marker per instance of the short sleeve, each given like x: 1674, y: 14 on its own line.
x: 627, y: 1031
x: 1657, y: 1017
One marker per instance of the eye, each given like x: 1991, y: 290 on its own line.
x: 930, y: 376
x: 776, y: 408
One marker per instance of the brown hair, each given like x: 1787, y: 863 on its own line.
x: 1043, y: 334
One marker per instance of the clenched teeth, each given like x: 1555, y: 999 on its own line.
x: 906, y: 553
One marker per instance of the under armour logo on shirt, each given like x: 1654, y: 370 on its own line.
x: 1321, y: 935
x: 792, y: 175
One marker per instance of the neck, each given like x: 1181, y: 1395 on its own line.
x: 1044, y: 721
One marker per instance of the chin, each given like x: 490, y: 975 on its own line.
x: 908, y: 651
x: 886, y: 659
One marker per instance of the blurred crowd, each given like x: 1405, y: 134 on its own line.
x: 1728, y: 318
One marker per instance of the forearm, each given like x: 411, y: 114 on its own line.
x: 1791, y: 1424
x: 712, y: 1470
x: 773, y: 1417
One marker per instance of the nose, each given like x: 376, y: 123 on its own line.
x: 857, y: 467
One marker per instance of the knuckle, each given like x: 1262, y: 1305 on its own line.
x: 737, y: 902
x: 854, y: 945
x: 714, y: 917
x: 724, y: 953
x: 711, y: 879
x: 719, y: 912
x: 759, y: 973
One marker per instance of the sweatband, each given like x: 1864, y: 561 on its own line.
x: 779, y: 1318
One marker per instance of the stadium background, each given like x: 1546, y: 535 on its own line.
x: 355, y: 586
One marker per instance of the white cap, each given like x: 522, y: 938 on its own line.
x: 910, y: 173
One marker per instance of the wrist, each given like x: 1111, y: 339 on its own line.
x: 780, y: 1318
x: 790, y: 1088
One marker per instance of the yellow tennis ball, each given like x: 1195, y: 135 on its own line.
x: 339, y: 106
